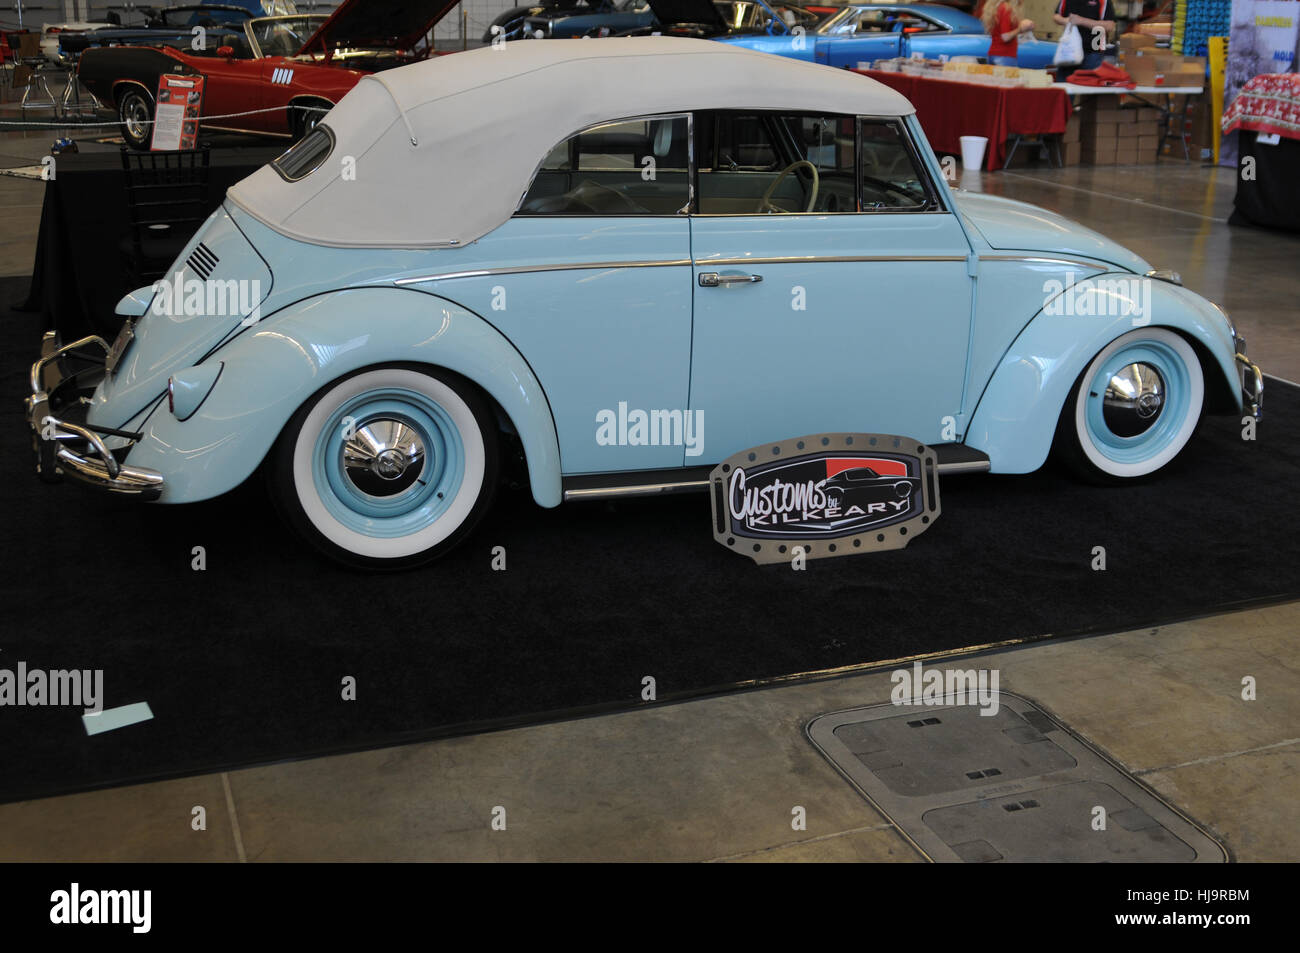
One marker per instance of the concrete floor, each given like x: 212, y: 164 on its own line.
x: 717, y: 779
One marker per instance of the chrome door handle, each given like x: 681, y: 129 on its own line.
x: 711, y: 279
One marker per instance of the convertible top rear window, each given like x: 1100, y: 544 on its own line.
x: 307, y: 155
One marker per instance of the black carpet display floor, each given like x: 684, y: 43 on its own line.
x: 245, y: 661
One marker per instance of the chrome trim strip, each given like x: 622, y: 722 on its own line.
x: 648, y: 489
x: 525, y: 269
x: 1045, y: 260
x: 599, y: 265
x: 684, y: 486
x: 820, y: 259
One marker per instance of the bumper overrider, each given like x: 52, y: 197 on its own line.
x: 1252, y: 380
x: 66, y: 445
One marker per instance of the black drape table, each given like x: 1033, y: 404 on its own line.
x: 79, y: 275
x: 1271, y: 195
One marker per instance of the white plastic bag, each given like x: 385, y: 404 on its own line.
x: 1069, y: 48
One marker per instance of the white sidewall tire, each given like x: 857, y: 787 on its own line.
x: 1196, y: 399
x: 371, y: 547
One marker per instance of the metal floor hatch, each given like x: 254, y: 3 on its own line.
x: 1012, y: 786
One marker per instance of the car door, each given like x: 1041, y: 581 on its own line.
x: 591, y: 281
x: 227, y: 61
x: 840, y: 308
x: 860, y: 35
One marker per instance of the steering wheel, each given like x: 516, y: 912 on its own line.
x: 766, y: 204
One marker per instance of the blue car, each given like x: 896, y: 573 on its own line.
x: 617, y: 283
x: 863, y: 33
x: 702, y: 19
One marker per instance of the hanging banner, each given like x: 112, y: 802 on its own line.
x: 1263, y: 40
x: 176, y: 116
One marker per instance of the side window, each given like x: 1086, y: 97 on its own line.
x: 773, y: 162
x: 634, y: 167
x: 891, y: 178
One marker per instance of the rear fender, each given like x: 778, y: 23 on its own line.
x: 273, y: 368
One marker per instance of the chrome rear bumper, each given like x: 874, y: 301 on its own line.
x: 77, y: 451
x: 1252, y: 381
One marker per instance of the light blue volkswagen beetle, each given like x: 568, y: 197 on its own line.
x: 636, y: 258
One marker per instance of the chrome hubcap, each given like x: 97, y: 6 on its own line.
x: 384, y: 457
x: 137, y: 116
x: 1135, y: 396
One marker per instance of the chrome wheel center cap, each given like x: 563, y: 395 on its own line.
x: 383, y: 457
x: 1135, y: 396
x: 390, y: 464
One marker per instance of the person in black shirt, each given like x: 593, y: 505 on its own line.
x: 1095, y: 20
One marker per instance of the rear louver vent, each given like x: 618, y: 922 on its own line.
x: 202, y: 261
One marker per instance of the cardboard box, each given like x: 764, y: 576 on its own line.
x: 1100, y: 132
x: 1135, y: 41
x: 1073, y: 130
x: 1127, y: 130
x: 1099, y: 153
x: 1151, y: 128
x: 1127, y: 155
x: 1148, y: 148
x: 1162, y: 29
x: 1071, y: 153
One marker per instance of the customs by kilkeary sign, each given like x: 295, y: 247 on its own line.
x: 825, y: 494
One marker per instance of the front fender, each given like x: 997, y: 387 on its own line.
x: 274, y: 367
x: 1015, y: 419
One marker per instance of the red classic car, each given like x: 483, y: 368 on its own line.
x: 275, y: 76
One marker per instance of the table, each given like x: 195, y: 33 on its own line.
x: 1267, y: 106
x: 950, y: 109
x: 78, y: 276
x: 1140, y: 93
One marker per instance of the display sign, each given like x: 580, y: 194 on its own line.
x: 176, y: 115
x: 824, y: 495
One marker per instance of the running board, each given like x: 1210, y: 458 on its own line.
x: 954, y: 458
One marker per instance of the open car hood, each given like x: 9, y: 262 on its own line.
x: 668, y: 12
x: 377, y: 24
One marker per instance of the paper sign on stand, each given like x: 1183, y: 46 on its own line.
x: 176, y: 117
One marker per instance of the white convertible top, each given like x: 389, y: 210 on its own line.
x: 483, y: 120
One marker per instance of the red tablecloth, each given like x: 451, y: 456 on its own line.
x: 949, y: 110
x: 1269, y: 104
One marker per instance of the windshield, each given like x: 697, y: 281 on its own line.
x: 284, y: 36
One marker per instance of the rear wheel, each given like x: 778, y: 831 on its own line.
x: 1134, y: 407
x: 389, y: 467
x: 305, y: 114
x: 135, y: 116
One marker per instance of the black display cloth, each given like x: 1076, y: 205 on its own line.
x: 1271, y: 198
x: 244, y: 661
x: 78, y: 275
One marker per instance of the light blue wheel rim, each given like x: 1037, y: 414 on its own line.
x: 417, y: 507
x: 1173, y: 414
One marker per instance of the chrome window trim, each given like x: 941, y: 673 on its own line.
x: 690, y: 134
x: 275, y: 163
x: 935, y: 203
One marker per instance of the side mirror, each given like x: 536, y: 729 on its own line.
x: 226, y: 52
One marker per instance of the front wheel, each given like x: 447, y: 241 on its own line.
x: 389, y: 467
x: 135, y: 117
x: 1134, y: 407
